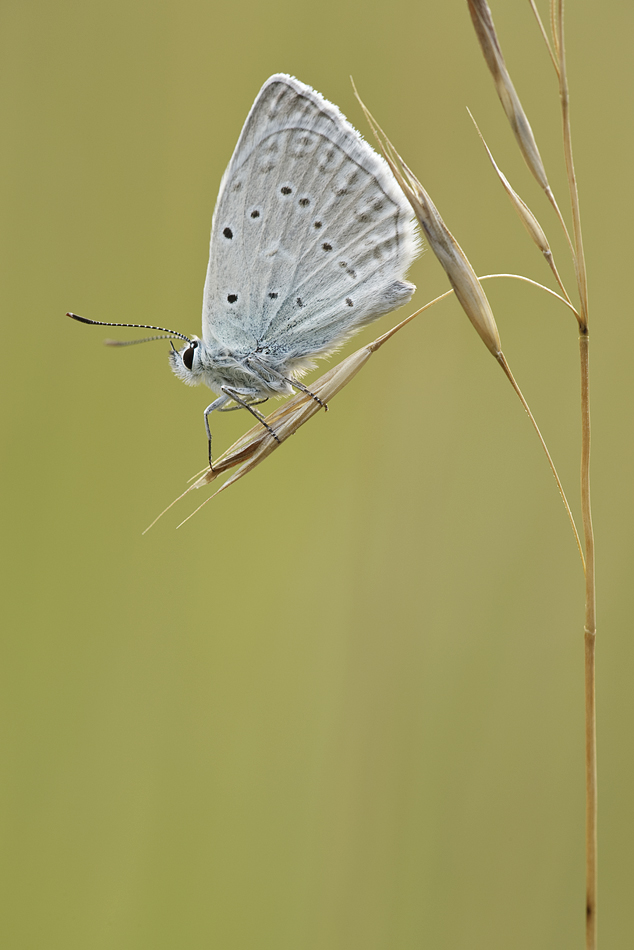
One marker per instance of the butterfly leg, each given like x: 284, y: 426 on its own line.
x: 252, y: 402
x: 232, y: 394
x: 216, y: 404
x: 297, y: 385
x: 292, y: 382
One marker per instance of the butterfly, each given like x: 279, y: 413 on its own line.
x: 311, y: 240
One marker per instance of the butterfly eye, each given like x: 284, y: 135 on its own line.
x: 188, y: 356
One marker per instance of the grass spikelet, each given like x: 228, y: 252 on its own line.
x: 454, y: 261
x: 528, y: 219
x: 487, y: 37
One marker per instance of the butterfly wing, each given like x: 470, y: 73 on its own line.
x: 311, y: 236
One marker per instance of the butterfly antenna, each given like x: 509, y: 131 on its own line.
x: 146, y: 339
x: 139, y: 326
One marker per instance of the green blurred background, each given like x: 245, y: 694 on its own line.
x: 342, y: 708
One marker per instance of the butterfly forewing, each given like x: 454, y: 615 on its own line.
x: 311, y: 236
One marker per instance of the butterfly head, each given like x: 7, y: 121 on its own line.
x: 186, y: 362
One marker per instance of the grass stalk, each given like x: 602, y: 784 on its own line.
x: 589, y: 665
x: 590, y: 629
x: 489, y: 43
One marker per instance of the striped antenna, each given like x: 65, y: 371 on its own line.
x: 138, y: 326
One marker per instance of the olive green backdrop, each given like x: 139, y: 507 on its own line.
x: 342, y: 708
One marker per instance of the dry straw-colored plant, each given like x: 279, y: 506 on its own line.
x: 259, y: 443
x: 485, y: 31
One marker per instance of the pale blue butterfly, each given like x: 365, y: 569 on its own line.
x: 310, y: 241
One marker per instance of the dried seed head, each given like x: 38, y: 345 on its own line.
x: 462, y: 277
x: 529, y: 221
x: 257, y: 444
x: 527, y: 217
x: 487, y: 37
x: 461, y: 274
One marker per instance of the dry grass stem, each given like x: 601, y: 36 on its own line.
x: 544, y: 36
x: 557, y: 15
x: 590, y: 631
x: 535, y: 283
x: 555, y: 32
x: 488, y: 41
